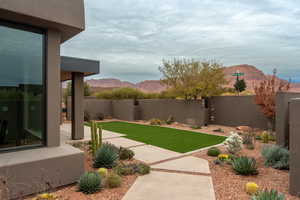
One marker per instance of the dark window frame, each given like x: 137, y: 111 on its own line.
x: 43, y: 32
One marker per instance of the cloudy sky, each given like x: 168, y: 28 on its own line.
x: 131, y: 37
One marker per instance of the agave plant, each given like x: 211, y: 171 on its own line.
x: 276, y: 156
x: 268, y: 195
x: 107, y: 156
x: 244, y: 166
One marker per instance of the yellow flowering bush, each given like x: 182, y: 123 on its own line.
x: 251, y: 188
x: 103, y: 172
x: 46, y: 196
x: 223, y: 157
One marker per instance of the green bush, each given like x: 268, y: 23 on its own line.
x: 131, y: 93
x: 125, y: 154
x: 121, y: 93
x: 133, y: 168
x: 196, y: 127
x: 126, y: 169
x: 106, y: 156
x: 155, y: 122
x: 113, y: 181
x: 268, y: 195
x: 213, y: 151
x: 143, y: 169
x: 244, y: 166
x: 264, y: 137
x: 90, y: 182
x: 87, y: 117
x: 276, y: 156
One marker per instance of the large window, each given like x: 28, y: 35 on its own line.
x: 22, y: 87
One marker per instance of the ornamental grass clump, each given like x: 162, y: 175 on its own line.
x: 244, y: 166
x: 90, y: 182
x: 113, y: 180
x: 156, y: 122
x: 268, y: 195
x: 234, y: 143
x: 276, y: 157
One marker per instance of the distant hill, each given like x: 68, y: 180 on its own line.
x: 252, y: 76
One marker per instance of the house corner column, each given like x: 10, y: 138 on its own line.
x: 53, y: 101
x: 77, y: 106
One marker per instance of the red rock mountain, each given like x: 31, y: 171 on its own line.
x: 252, y: 76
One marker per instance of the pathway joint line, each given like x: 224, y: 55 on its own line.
x: 181, y: 172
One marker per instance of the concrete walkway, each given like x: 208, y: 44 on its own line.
x: 174, y: 176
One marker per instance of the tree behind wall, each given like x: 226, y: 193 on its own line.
x: 193, y: 79
x: 266, y: 95
x: 240, y: 85
x: 87, y: 89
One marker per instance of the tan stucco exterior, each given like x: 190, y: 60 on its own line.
x: 30, y: 171
x: 66, y: 16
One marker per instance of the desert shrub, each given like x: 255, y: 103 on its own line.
x: 155, y: 122
x: 90, y: 182
x: 113, y: 180
x: 126, y: 169
x: 106, y: 156
x: 248, y: 140
x: 234, y: 143
x: 196, y: 127
x: 100, y: 116
x: 244, y: 166
x: 276, y: 156
x: 143, y: 169
x: 265, y: 137
x: 213, y: 151
x: 170, y: 120
x: 125, y: 154
x: 121, y: 93
x: 218, y: 130
x: 87, y: 116
x: 133, y: 168
x: 268, y: 195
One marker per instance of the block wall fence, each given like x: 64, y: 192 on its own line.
x: 222, y: 110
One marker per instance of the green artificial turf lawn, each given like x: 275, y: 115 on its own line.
x: 168, y: 138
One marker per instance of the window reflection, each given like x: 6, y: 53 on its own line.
x: 21, y: 87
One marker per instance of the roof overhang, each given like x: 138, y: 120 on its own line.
x: 67, y: 16
x: 85, y: 66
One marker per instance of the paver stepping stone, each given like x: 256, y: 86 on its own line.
x: 185, y: 164
x: 151, y: 154
x: 66, y: 132
x: 163, y: 185
x: 108, y: 134
x: 123, y: 142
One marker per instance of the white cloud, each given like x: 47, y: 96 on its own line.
x: 131, y: 37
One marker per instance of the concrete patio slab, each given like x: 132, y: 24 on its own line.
x: 65, y: 130
x: 163, y: 185
x: 151, y: 154
x: 185, y: 164
x: 123, y: 142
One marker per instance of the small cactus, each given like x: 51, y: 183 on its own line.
x: 96, y: 137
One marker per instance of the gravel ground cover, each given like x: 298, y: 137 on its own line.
x: 229, y: 186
